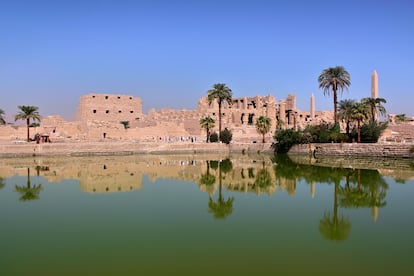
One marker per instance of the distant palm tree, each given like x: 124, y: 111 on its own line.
x: 221, y: 93
x: 2, y: 121
x: 27, y: 113
x: 332, y: 80
x: 263, y: 124
x: 207, y: 123
x: 359, y: 113
x: 345, y: 112
x: 375, y: 107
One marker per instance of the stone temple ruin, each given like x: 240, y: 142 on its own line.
x: 115, y: 117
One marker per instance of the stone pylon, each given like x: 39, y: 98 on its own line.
x: 374, y: 85
x: 312, y: 106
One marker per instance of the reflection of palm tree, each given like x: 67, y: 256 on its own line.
x: 29, y: 192
x: 222, y: 208
x: 366, y: 189
x: 263, y: 179
x: 208, y: 179
x: 335, y: 229
x: 1, y: 183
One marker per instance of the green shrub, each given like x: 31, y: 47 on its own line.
x: 226, y: 136
x: 286, y: 138
x: 214, y: 137
x: 371, y: 132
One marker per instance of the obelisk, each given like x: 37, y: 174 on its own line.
x: 374, y: 85
x: 312, y: 106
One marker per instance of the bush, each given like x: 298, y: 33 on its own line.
x: 226, y: 136
x: 214, y: 137
x: 286, y: 138
x: 371, y: 132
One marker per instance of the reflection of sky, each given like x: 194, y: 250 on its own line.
x: 168, y: 221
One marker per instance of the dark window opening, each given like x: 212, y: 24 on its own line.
x: 107, y: 111
x: 106, y: 97
x: 250, y: 122
x: 131, y: 111
x: 94, y: 111
x: 93, y: 96
x: 119, y: 97
x: 119, y: 111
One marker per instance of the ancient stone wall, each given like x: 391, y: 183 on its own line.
x: 109, y: 108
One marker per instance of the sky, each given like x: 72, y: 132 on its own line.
x: 170, y: 52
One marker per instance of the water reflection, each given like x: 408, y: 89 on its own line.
x: 221, y: 208
x: 259, y: 174
x: 28, y: 192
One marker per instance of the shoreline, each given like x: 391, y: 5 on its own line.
x: 382, y: 150
x: 127, y: 148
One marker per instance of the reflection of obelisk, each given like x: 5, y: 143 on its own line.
x: 374, y: 85
x: 312, y: 106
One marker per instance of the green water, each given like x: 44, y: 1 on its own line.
x: 202, y: 215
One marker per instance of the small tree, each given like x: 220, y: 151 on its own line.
x: 226, y: 136
x: 214, y: 137
x: 125, y: 123
x: 263, y: 124
x: 207, y: 123
x: 2, y: 121
x: 359, y: 113
x: 27, y: 113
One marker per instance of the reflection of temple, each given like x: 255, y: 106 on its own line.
x: 125, y: 173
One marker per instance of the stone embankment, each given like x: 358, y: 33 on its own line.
x: 125, y: 148
x: 403, y: 150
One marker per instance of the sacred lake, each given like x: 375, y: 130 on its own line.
x: 206, y: 215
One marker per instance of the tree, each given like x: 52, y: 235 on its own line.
x: 27, y: 113
x: 2, y: 121
x: 332, y: 80
x: 263, y: 126
x: 359, y: 113
x: 207, y: 123
x: 226, y: 136
x: 345, y: 112
x: 125, y: 124
x: 375, y: 107
x: 221, y: 93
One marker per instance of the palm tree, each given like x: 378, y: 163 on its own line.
x: 221, y: 93
x: 375, y: 107
x: 359, y: 113
x: 2, y: 121
x: 29, y: 192
x: 331, y: 80
x: 345, y: 112
x: 263, y: 126
x: 27, y: 113
x: 207, y: 123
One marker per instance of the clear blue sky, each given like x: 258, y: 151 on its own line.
x: 170, y: 53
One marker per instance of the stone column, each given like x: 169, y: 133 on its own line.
x: 374, y: 85
x: 312, y: 106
